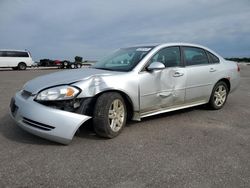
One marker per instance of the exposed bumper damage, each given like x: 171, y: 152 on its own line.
x: 46, y: 122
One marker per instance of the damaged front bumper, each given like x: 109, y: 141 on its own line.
x: 46, y: 122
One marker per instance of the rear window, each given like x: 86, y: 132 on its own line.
x: 213, y: 58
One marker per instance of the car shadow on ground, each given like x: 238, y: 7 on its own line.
x: 170, y: 114
x: 87, y: 130
x: 12, y: 132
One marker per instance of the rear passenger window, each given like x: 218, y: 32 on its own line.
x: 212, y: 58
x: 23, y: 54
x: 194, y: 56
x: 16, y: 54
x: 10, y: 54
x: 2, y: 54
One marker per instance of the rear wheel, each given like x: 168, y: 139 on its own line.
x: 110, y: 115
x: 219, y: 96
x: 78, y: 65
x: 65, y: 65
x: 22, y: 66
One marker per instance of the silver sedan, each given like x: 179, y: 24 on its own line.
x: 133, y: 83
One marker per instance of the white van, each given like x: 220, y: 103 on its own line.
x: 15, y: 59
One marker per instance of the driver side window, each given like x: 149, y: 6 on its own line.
x: 169, y: 56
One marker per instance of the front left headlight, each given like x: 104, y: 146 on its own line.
x: 58, y: 93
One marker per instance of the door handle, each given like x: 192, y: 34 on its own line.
x: 178, y: 74
x: 212, y: 70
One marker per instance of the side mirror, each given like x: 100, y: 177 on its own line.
x: 156, y: 66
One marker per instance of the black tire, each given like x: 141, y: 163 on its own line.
x: 105, y: 126
x: 22, y: 66
x: 216, y: 101
x: 78, y: 65
x: 72, y: 66
x: 65, y: 64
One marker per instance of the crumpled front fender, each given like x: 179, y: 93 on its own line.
x: 46, y: 122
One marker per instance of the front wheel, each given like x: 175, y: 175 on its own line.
x: 219, y: 96
x: 110, y: 115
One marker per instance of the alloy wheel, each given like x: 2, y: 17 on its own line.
x: 220, y: 95
x: 116, y: 115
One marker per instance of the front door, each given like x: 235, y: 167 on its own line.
x: 160, y: 89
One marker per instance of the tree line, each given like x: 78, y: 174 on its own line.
x: 237, y: 59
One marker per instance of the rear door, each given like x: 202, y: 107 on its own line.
x: 200, y: 74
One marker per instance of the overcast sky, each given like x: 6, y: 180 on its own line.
x: 62, y: 29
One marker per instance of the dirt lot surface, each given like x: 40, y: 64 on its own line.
x: 189, y: 148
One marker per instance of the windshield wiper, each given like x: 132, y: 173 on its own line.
x: 103, y: 68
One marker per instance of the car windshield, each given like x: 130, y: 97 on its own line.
x: 124, y: 59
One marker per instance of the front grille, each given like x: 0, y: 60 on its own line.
x: 37, y: 124
x: 26, y: 94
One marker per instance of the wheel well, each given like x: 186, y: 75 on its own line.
x: 127, y: 100
x: 227, y: 82
x: 22, y: 63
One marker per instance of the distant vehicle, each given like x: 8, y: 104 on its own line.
x: 48, y: 63
x: 70, y: 65
x: 35, y: 64
x: 57, y: 63
x: 15, y: 59
x: 65, y: 64
x: 133, y: 83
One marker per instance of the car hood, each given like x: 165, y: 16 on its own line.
x: 63, y: 77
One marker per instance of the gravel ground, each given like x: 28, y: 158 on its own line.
x: 195, y: 147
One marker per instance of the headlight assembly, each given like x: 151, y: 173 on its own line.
x: 58, y: 93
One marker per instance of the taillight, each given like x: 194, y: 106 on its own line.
x: 238, y: 69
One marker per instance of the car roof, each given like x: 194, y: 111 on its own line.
x: 182, y: 44
x: 11, y: 50
x: 161, y: 45
x: 168, y: 44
